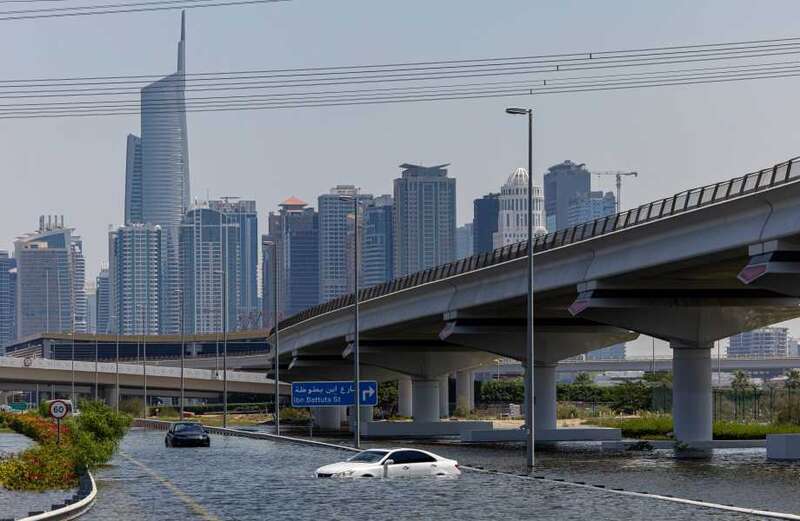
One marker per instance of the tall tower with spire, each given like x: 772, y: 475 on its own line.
x: 163, y: 179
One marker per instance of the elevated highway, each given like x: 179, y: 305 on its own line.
x: 690, y: 269
x: 19, y: 372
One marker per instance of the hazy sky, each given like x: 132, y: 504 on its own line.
x: 676, y: 137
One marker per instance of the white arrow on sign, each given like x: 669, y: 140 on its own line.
x: 367, y: 393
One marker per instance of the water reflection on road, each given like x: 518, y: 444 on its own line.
x: 242, y: 479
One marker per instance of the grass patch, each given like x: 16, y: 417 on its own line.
x: 659, y: 427
x: 87, y: 441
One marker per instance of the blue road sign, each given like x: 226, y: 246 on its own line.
x: 333, y: 394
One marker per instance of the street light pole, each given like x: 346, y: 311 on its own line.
x: 276, y: 341
x: 356, y: 361
x: 183, y: 349
x: 224, y: 327
x: 529, y: 347
x: 96, y: 353
x: 117, y: 369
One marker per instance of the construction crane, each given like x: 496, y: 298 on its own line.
x: 618, y: 174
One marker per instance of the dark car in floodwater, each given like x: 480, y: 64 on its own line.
x: 187, y: 434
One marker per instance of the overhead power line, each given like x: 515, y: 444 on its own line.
x: 226, y: 105
x: 513, y: 65
x: 127, y: 7
x: 400, y: 82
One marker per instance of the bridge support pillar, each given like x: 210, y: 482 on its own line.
x: 404, y: 397
x: 366, y: 415
x: 444, y: 396
x: 545, y: 401
x: 327, y: 418
x: 692, y: 398
x: 465, y: 391
x: 425, y: 400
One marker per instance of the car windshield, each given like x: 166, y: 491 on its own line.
x: 369, y: 456
x: 188, y: 427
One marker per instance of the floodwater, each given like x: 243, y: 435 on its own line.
x: 245, y: 479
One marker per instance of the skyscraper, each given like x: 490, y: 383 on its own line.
x: 293, y: 243
x: 165, y: 173
x: 244, y: 214
x: 486, y: 211
x: 424, y: 218
x: 334, y: 207
x: 562, y: 183
x: 49, y: 284
x: 512, y: 221
x: 7, y: 302
x: 91, y: 307
x: 590, y: 206
x: 133, y: 180
x: 377, y: 246
x: 103, y: 303
x: 210, y: 273
x: 465, y: 246
x: 133, y: 280
x: 80, y: 322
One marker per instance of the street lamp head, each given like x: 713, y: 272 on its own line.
x: 517, y: 111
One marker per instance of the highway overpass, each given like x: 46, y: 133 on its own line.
x: 665, y: 364
x: 16, y: 373
x: 690, y: 269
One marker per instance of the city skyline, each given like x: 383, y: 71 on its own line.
x: 480, y: 156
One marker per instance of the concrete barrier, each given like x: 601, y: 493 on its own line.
x: 544, y: 435
x: 783, y: 446
x: 390, y: 429
x: 73, y: 507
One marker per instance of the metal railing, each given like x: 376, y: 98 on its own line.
x: 685, y: 201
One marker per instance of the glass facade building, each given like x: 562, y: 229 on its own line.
x: 103, y: 303
x: 244, y: 214
x: 165, y: 174
x: 377, y: 246
x: 50, y: 286
x: 292, y: 245
x: 210, y: 263
x: 424, y: 218
x: 485, y: 215
x: 334, y: 209
x: 766, y: 342
x: 562, y: 183
x: 132, y: 282
x: 8, y: 304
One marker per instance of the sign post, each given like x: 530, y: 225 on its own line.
x: 58, y: 410
x: 334, y: 394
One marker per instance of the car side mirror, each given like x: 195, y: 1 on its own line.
x: 389, y: 462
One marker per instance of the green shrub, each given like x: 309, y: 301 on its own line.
x: 566, y: 411
x: 508, y: 390
x: 647, y: 425
x: 292, y: 415
x: 132, y: 406
x: 166, y: 411
x: 788, y: 411
x: 388, y: 393
x: 43, y: 467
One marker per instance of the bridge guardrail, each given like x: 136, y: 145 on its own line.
x: 781, y: 173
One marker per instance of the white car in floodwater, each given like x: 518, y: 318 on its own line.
x: 391, y: 463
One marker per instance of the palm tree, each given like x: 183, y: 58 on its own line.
x: 740, y: 381
x: 792, y: 379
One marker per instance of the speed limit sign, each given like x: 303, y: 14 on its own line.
x: 58, y: 409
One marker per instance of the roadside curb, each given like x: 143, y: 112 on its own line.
x: 73, y: 507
